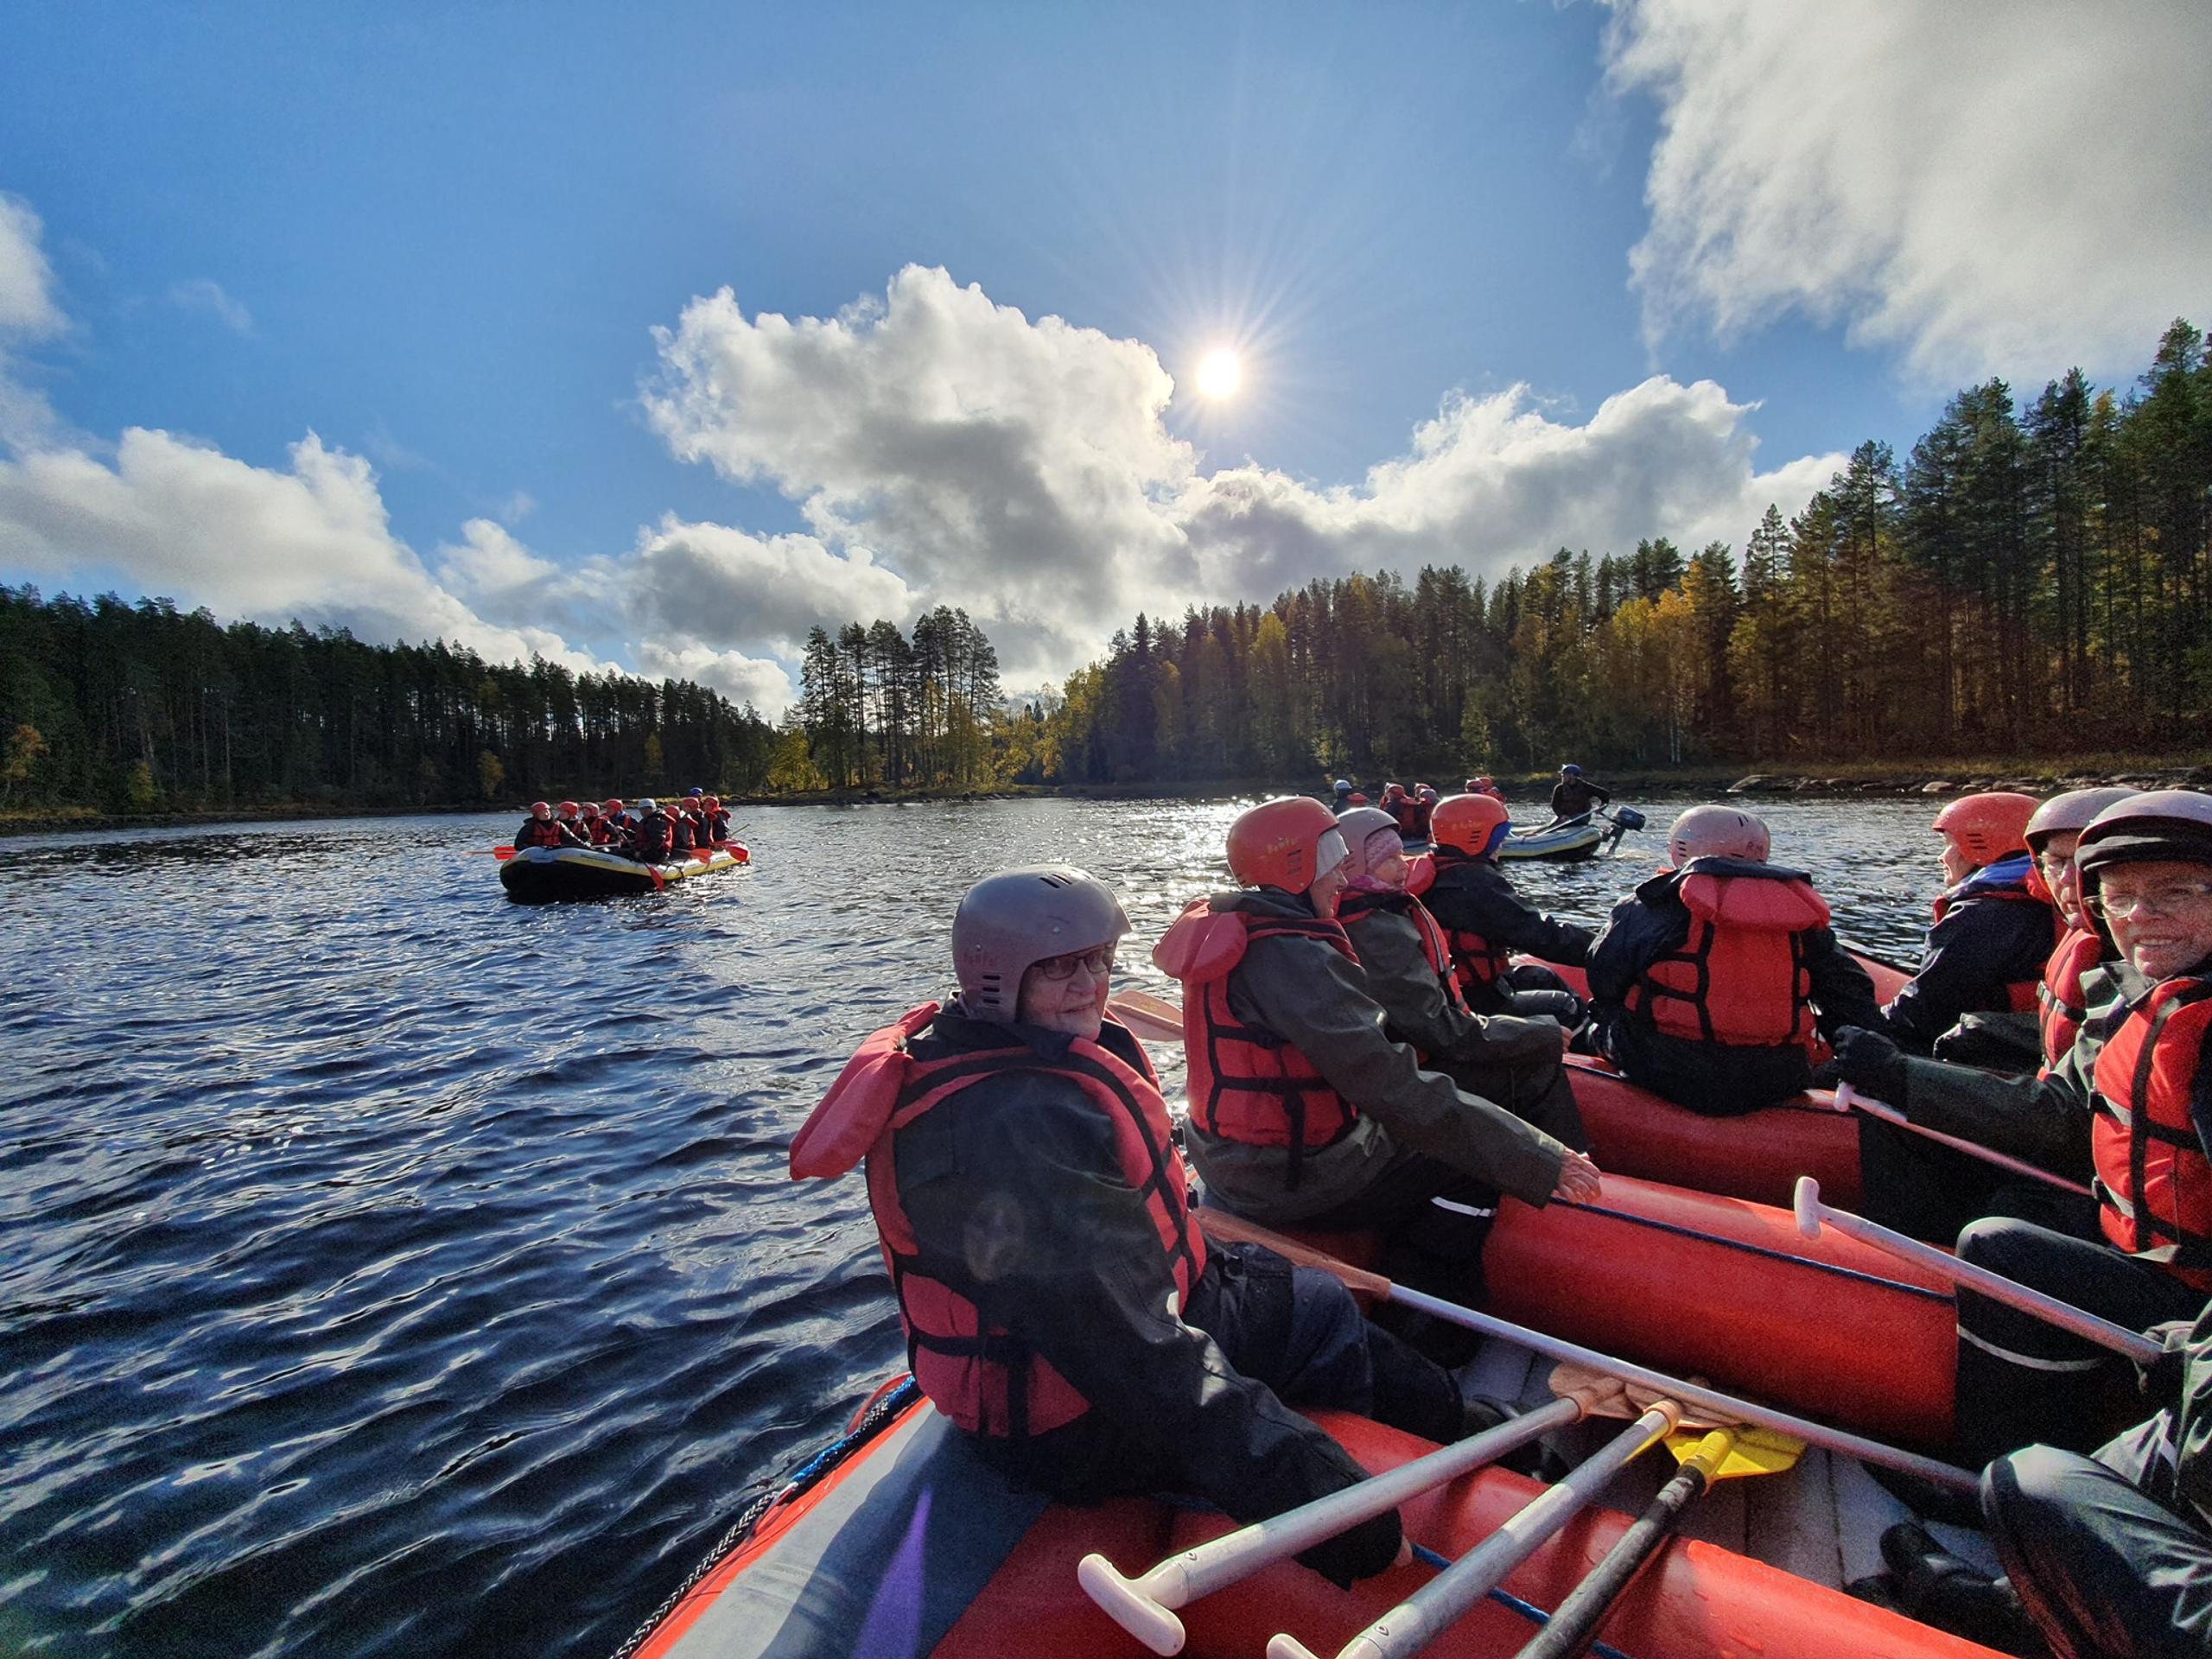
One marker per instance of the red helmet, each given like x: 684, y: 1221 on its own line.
x: 1717, y: 832
x: 1355, y: 799
x: 1474, y: 824
x: 1285, y: 843
x: 1987, y: 827
x: 538, y: 809
x: 712, y: 802
x: 568, y: 809
x: 589, y: 808
x: 1391, y: 791
x: 611, y: 805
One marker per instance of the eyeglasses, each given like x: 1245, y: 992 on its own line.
x: 2054, y: 865
x: 2162, y: 901
x: 1099, y: 961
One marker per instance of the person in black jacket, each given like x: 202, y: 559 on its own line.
x: 1575, y: 796
x: 1994, y: 927
x: 650, y: 836
x: 1032, y: 1187
x: 1485, y: 921
x: 542, y: 828
x: 1709, y: 981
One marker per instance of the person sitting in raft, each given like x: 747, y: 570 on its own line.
x: 1342, y: 789
x: 1931, y: 1192
x: 1708, y: 981
x: 1993, y: 932
x: 683, y: 832
x: 1482, y: 784
x: 542, y: 828
x: 1303, y: 1111
x: 609, y: 828
x: 588, y: 823
x: 2140, y: 1254
x: 1428, y: 797
x: 1404, y: 812
x: 1575, y: 796
x: 1484, y: 920
x: 1408, y: 964
x: 715, y: 822
x: 650, y: 836
x: 569, y: 816
x: 1061, y: 1306
x: 2111, y: 1553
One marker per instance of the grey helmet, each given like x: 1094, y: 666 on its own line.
x: 1717, y: 832
x: 1357, y: 825
x: 2163, y: 825
x: 2072, y: 810
x: 647, y: 805
x: 1008, y: 922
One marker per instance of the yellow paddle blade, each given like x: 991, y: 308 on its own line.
x: 1734, y: 1453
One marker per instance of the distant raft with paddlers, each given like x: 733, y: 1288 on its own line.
x: 1586, y: 837
x: 539, y: 875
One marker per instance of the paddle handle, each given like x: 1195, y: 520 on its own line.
x: 1144, y: 1607
x: 1813, y: 1215
x: 1569, y: 1630
x: 1432, y: 1609
x: 1848, y: 1099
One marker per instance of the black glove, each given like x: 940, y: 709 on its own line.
x: 1872, y: 1064
x: 1509, y: 1038
x: 1360, y: 1554
x: 2160, y: 1379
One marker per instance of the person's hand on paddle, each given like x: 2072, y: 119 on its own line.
x: 1578, y: 1181
x: 2160, y: 1380
x: 1362, y: 1553
x: 1872, y: 1064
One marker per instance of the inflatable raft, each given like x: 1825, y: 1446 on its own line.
x: 1582, y: 837
x: 539, y: 875
x: 898, y: 1542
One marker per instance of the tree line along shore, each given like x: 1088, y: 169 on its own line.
x: 2033, y: 579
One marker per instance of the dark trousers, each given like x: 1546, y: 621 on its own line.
x: 2021, y: 1381
x: 1932, y: 1193
x: 2103, y: 1568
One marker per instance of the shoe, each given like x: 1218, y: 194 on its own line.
x: 1934, y: 1586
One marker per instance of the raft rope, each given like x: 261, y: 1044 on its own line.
x: 885, y: 1405
x: 1528, y: 1610
x: 1761, y: 1250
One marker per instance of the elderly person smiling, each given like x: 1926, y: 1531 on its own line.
x: 2140, y: 1252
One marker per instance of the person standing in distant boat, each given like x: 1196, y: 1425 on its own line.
x: 1061, y: 1306
x: 1575, y: 796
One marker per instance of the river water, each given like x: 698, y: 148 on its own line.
x: 386, y: 1268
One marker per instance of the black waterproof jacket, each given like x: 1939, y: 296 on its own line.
x: 1982, y: 948
x: 1473, y: 895
x: 1712, y: 1077
x: 1018, y: 1175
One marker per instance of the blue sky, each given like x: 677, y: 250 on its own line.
x: 1500, y: 278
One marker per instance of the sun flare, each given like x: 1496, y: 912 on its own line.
x: 1219, y: 375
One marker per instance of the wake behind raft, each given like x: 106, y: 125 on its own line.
x: 539, y: 876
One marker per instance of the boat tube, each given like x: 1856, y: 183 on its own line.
x: 1583, y: 836
x: 899, y: 1541
x: 539, y: 875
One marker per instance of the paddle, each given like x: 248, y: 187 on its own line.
x: 1718, y: 1454
x: 1148, y: 1015
x: 1724, y: 1408
x: 1848, y: 1099
x: 1813, y: 1215
x: 1144, y: 1605
x: 1414, y: 1623
x: 502, y: 854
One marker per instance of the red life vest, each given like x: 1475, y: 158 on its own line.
x: 2060, y: 1007
x: 1433, y: 947
x: 652, y: 837
x: 2020, y: 994
x: 984, y: 1378
x: 541, y: 832
x: 1245, y: 1082
x: 1739, y: 978
x: 1412, y: 821
x: 2154, y: 1185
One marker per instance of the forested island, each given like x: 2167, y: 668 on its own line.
x: 2031, y: 580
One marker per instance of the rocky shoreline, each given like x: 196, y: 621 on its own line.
x: 1769, y: 782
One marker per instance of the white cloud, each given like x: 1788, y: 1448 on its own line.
x: 204, y: 294
x: 1023, y: 472
x: 27, y: 312
x: 1987, y: 187
x: 760, y: 681
x: 181, y: 519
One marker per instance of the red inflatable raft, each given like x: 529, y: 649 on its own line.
x: 901, y: 1542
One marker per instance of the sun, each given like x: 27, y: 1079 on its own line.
x: 1219, y: 375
